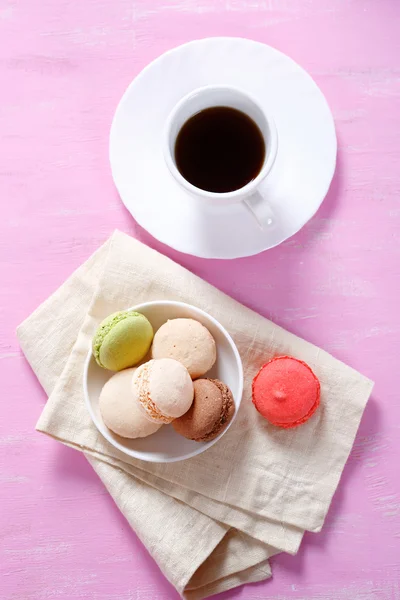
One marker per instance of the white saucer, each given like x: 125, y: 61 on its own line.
x: 296, y: 186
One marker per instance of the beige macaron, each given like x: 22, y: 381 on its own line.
x: 188, y: 342
x: 163, y: 388
x: 120, y: 410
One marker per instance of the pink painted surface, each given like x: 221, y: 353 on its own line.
x: 63, y: 68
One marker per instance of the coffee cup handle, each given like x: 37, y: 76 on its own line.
x: 260, y: 209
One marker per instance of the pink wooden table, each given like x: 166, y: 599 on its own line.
x: 63, y: 67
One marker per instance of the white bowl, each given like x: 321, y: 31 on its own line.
x: 166, y: 445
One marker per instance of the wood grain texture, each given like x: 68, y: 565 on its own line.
x: 63, y: 68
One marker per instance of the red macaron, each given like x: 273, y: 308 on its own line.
x: 286, y: 392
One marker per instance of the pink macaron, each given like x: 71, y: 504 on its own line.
x: 286, y: 392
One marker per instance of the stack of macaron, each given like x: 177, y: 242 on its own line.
x: 170, y: 387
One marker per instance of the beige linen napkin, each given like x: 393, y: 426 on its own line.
x: 210, y: 522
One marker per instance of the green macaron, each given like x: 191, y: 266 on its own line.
x: 122, y: 340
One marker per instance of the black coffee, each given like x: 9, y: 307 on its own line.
x: 219, y: 149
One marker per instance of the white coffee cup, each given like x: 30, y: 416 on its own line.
x: 220, y: 95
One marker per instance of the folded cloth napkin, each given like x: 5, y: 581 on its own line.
x: 210, y: 522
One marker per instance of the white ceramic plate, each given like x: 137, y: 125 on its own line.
x: 166, y: 445
x: 296, y: 186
